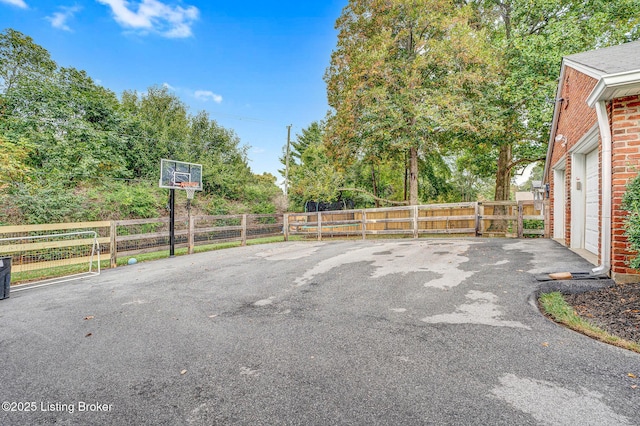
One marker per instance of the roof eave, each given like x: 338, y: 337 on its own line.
x: 554, y: 123
x: 615, y: 86
x: 584, y: 69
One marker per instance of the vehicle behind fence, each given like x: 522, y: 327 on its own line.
x: 78, y: 248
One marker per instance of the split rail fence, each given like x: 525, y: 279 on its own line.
x: 127, y: 238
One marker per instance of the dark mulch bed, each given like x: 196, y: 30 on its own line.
x: 615, y: 309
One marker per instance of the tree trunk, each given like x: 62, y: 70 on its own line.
x: 503, y: 187
x: 503, y: 176
x: 413, y: 176
x: 375, y: 185
x: 406, y: 178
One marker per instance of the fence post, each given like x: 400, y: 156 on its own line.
x: 479, y: 214
x: 364, y: 225
x: 191, y: 236
x: 520, y: 219
x: 113, y: 244
x: 319, y: 226
x: 243, y: 232
x: 415, y: 221
x: 285, y: 226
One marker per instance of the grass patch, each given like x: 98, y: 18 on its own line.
x: 58, y: 271
x: 554, y: 306
x: 18, y: 278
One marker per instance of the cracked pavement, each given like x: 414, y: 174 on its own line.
x: 427, y: 331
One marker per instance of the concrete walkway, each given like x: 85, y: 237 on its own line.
x: 384, y: 332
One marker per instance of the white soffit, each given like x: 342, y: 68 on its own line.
x: 561, y: 164
x: 615, y: 86
x: 588, y: 142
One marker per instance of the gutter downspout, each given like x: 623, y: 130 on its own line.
x: 605, y: 229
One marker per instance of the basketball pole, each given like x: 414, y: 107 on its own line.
x: 172, y: 222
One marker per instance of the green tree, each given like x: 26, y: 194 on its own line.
x: 311, y: 135
x: 314, y: 178
x: 21, y: 58
x: 65, y: 142
x: 401, y: 77
x: 528, y: 39
x: 22, y: 62
x: 71, y: 123
x: 312, y: 174
x: 13, y: 162
x: 158, y: 129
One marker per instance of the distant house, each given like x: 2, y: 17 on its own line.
x: 594, y: 151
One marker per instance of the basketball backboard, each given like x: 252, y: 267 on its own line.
x: 180, y: 175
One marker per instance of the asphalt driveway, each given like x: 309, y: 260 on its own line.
x: 367, y: 332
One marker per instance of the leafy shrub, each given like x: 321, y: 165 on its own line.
x: 131, y: 201
x: 533, y: 224
x: 121, y: 200
x: 631, y: 203
x: 265, y: 207
x: 217, y: 206
x: 49, y: 202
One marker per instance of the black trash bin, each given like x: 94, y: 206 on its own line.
x: 5, y: 277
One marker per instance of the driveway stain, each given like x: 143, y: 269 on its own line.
x: 398, y: 258
x: 551, y: 404
x: 483, y: 310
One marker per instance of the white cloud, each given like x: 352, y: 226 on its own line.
x: 207, y: 95
x: 201, y: 95
x: 154, y: 16
x: 19, y: 3
x: 59, y: 19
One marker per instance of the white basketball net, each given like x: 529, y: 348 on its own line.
x: 190, y: 188
x: 191, y: 192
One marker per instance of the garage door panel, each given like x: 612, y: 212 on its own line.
x: 592, y: 207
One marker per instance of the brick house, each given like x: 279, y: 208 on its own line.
x: 594, y: 151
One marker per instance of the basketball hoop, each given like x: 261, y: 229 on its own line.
x: 190, y: 188
x: 179, y: 175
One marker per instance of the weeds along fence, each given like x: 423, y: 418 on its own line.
x: 66, y: 248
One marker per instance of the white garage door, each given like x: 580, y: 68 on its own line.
x: 591, y: 231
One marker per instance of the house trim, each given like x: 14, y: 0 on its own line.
x: 560, y: 202
x: 587, y: 143
x: 605, y: 189
x: 578, y: 186
x: 615, y: 86
x: 591, y: 72
x: 554, y: 123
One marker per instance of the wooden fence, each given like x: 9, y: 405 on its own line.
x: 489, y: 219
x: 126, y: 238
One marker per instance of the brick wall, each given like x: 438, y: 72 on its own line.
x: 575, y: 119
x: 625, y: 133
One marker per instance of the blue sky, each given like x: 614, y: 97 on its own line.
x: 255, y: 66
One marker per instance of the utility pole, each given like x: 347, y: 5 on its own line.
x: 286, y: 170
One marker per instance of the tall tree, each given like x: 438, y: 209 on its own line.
x: 60, y: 131
x: 71, y: 123
x: 311, y: 135
x: 312, y: 174
x: 529, y: 38
x: 157, y: 127
x: 21, y: 57
x: 401, y: 77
